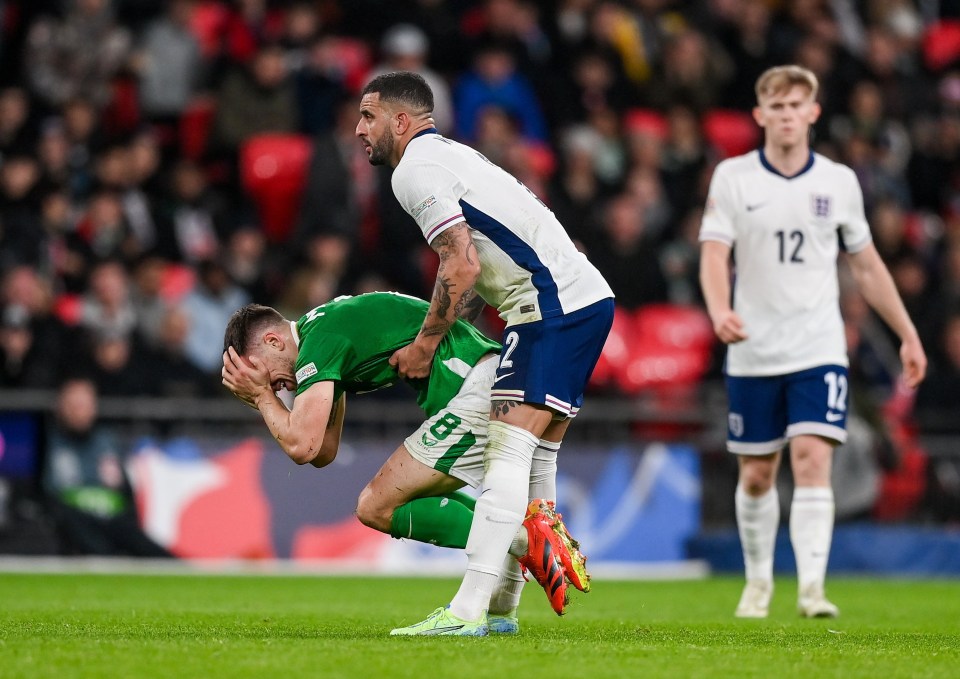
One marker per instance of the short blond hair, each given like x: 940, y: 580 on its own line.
x: 780, y: 79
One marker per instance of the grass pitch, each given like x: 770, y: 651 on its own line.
x: 145, y: 626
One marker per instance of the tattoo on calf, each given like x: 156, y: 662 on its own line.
x: 501, y: 408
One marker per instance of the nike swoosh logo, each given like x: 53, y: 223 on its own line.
x: 751, y: 208
x: 441, y: 630
x: 834, y: 417
x: 497, y: 379
x: 492, y: 520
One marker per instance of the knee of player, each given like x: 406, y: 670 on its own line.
x: 756, y: 480
x: 372, y: 513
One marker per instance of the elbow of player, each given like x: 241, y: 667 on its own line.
x: 468, y: 271
x: 304, y: 453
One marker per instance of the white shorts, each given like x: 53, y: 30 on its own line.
x: 452, y: 441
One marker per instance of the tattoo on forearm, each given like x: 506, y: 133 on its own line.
x: 470, y: 305
x: 441, y: 293
x: 501, y: 408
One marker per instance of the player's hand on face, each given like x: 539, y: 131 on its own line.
x: 246, y: 378
x: 412, y: 361
x: 729, y: 327
x: 914, y: 362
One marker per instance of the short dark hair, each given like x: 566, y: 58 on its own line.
x: 404, y: 87
x: 246, y: 323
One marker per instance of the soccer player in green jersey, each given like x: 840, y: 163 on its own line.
x: 345, y: 346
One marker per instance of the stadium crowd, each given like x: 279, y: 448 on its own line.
x: 163, y: 163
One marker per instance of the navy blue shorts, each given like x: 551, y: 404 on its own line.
x: 549, y: 361
x: 766, y: 412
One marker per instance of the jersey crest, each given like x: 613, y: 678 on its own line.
x: 820, y: 204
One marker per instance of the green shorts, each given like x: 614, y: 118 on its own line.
x: 452, y: 441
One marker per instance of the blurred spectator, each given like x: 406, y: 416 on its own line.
x: 301, y: 26
x: 626, y: 257
x: 576, y: 189
x: 103, y: 232
x: 118, y: 364
x: 939, y: 394
x: 595, y: 84
x: 192, y: 217
x: 24, y: 287
x: 53, y: 154
x: 644, y: 186
x: 321, y: 86
x: 108, y: 309
x: 748, y: 39
x: 494, y: 80
x: 16, y: 133
x: 208, y: 307
x: 247, y: 263
x: 23, y: 362
x: 685, y: 161
x: 83, y: 137
x: 405, y: 47
x: 256, y: 100
x: 680, y: 261
x: 868, y: 119
x: 76, y: 55
x: 85, y: 481
x: 21, y: 238
x: 340, y: 194
x: 146, y: 297
x: 169, y: 63
x: 173, y: 374
x: 693, y: 72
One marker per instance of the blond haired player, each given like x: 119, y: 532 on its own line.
x: 786, y: 212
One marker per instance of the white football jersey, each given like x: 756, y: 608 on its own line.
x: 530, y: 267
x: 786, y: 234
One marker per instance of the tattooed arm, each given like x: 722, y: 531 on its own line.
x: 453, y: 296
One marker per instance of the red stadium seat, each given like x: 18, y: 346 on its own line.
x: 273, y: 170
x: 177, y: 281
x: 646, y: 121
x: 613, y: 359
x: 668, y: 346
x: 731, y: 132
x: 941, y: 44
x: 674, y: 326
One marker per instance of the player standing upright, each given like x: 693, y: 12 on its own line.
x: 497, y: 243
x: 787, y: 212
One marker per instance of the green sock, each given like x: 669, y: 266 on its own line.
x: 443, y: 520
x: 464, y: 499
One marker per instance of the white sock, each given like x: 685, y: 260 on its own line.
x: 506, y: 595
x: 811, y: 530
x: 543, y: 485
x: 757, y: 521
x: 543, y: 471
x: 497, y: 516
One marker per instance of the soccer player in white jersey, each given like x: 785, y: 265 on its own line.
x: 499, y: 244
x: 787, y: 212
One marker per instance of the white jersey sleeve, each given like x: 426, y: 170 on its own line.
x: 854, y: 228
x: 430, y: 193
x: 720, y: 212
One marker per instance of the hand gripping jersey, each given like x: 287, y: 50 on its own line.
x: 530, y: 267
x: 786, y: 234
x: 350, y: 341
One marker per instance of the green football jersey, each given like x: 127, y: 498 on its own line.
x: 350, y: 340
